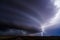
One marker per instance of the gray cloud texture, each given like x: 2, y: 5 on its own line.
x: 26, y: 12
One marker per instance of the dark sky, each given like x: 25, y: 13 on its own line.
x: 28, y: 12
x: 53, y: 30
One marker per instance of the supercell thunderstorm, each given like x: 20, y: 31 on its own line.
x: 41, y: 14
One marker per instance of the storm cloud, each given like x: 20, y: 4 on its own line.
x: 31, y: 13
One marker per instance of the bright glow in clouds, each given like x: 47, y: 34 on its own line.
x: 53, y: 20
